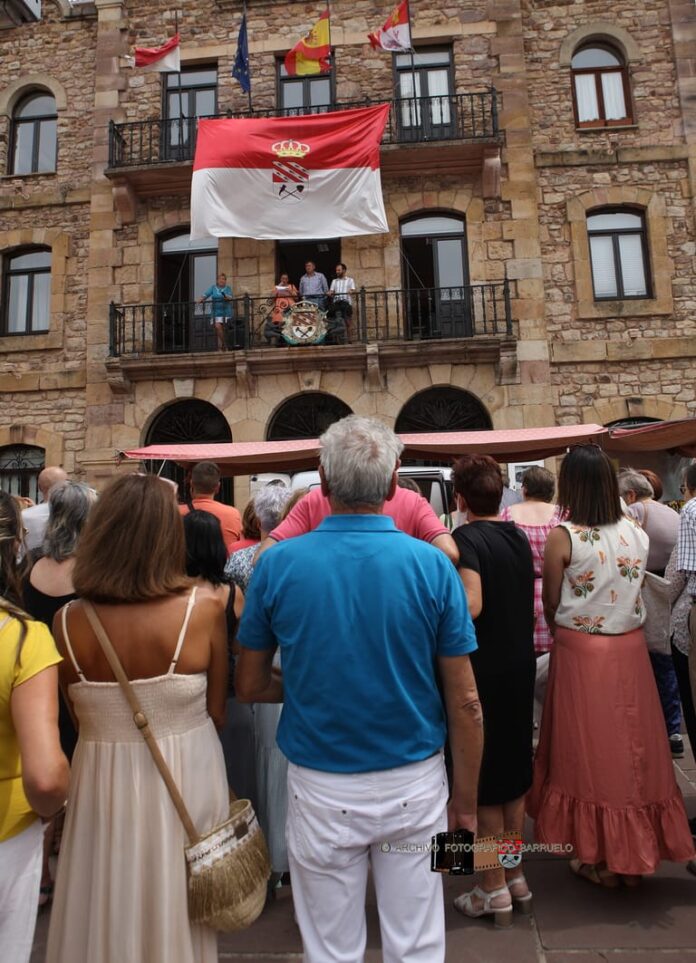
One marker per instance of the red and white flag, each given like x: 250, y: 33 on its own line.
x: 164, y: 59
x: 396, y: 32
x: 289, y: 177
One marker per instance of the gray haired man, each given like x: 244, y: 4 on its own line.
x: 365, y: 616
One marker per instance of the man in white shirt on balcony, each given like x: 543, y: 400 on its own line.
x: 341, y: 310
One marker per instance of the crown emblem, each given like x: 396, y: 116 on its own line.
x: 290, y: 148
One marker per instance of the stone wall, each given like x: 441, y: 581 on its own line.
x: 60, y: 55
x: 652, y: 73
x: 668, y: 183
x: 608, y: 392
x: 52, y: 419
x: 209, y: 30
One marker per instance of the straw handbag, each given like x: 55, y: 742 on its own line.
x: 228, y: 867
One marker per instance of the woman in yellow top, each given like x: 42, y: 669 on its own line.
x: 33, y: 770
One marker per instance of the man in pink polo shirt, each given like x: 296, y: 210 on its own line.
x: 410, y: 511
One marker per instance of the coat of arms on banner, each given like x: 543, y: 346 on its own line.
x: 304, y: 324
x: 288, y: 172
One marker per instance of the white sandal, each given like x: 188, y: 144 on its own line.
x: 521, y: 903
x: 502, y: 916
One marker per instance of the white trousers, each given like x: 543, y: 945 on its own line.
x: 21, y: 858
x: 338, y: 825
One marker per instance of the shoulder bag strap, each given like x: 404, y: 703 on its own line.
x: 140, y: 720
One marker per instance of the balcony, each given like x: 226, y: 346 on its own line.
x: 392, y: 328
x: 155, y: 156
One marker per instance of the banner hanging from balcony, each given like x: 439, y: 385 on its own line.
x: 289, y: 178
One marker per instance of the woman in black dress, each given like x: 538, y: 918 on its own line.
x: 206, y: 556
x: 497, y: 569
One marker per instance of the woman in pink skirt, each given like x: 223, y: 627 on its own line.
x: 603, y: 776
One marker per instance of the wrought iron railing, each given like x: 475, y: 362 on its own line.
x: 412, y: 120
x: 419, y: 314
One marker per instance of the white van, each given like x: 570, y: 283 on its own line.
x: 435, y: 484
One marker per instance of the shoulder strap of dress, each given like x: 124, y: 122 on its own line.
x: 5, y: 621
x: 66, y: 638
x: 182, y: 633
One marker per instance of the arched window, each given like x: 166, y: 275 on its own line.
x: 442, y: 408
x: 34, y: 134
x: 601, y: 94
x: 26, y: 303
x: 186, y: 422
x: 19, y: 469
x: 618, y: 254
x: 306, y: 416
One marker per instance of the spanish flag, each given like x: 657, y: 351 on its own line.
x: 312, y: 54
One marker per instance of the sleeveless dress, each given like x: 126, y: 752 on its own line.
x: 120, y: 894
x: 603, y: 776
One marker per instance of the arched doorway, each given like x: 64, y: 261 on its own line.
x: 187, y: 422
x: 306, y: 416
x: 436, y: 275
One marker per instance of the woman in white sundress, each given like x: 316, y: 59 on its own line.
x: 121, y: 888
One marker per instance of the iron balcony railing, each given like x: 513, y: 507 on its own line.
x: 419, y: 314
x: 412, y: 120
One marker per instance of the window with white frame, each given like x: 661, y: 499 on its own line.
x: 618, y: 254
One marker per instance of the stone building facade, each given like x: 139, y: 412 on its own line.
x: 487, y: 304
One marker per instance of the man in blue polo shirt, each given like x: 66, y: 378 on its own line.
x: 365, y: 616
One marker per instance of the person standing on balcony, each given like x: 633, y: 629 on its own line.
x: 341, y: 308
x: 221, y: 297
x: 283, y: 297
x: 313, y: 286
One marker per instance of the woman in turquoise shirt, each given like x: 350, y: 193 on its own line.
x: 221, y: 296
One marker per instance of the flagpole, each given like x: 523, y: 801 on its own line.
x: 331, y: 56
x: 178, y: 83
x: 246, y: 23
x: 413, y: 62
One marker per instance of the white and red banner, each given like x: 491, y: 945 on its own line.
x: 289, y: 177
x: 396, y: 32
x: 164, y: 59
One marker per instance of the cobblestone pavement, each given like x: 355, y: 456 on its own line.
x: 574, y: 922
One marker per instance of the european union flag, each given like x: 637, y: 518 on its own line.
x: 240, y: 71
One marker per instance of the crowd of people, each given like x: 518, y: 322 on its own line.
x: 367, y: 686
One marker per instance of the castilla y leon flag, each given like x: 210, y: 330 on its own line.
x: 164, y: 59
x: 289, y: 177
x: 396, y: 32
x: 312, y: 54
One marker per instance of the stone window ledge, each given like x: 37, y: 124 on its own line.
x: 630, y: 308
x: 598, y: 130
x: 30, y: 342
x: 23, y: 177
